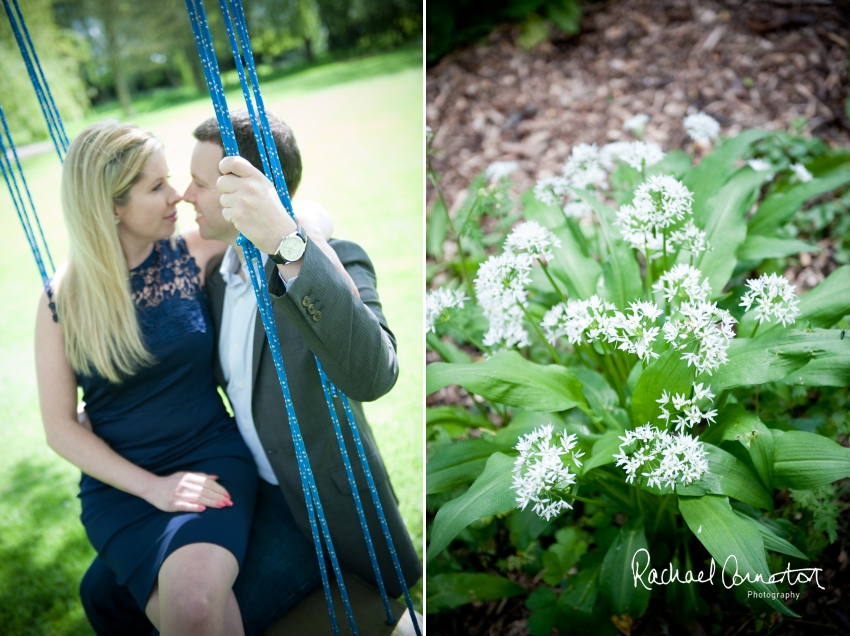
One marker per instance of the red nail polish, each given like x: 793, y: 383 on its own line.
x: 221, y: 504
x: 202, y: 508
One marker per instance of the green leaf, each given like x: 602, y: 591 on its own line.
x: 566, y: 14
x: 572, y: 263
x: 604, y: 450
x: 806, y: 460
x: 542, y: 603
x: 447, y: 591
x: 735, y: 423
x: 441, y: 415
x: 616, y: 581
x: 438, y: 221
x: 508, y: 378
x: 715, y: 169
x: 772, y: 355
x: 728, y: 537
x: 621, y: 273
x: 525, y: 526
x: 602, y: 399
x: 447, y: 350
x: 771, y: 541
x: 779, y: 207
x: 458, y: 464
x: 829, y: 367
x: 829, y: 302
x: 722, y: 218
x: 728, y: 476
x: 675, y: 163
x: 581, y: 590
x: 533, y: 30
x: 523, y: 423
x: 759, y: 248
x: 670, y: 373
x: 490, y: 494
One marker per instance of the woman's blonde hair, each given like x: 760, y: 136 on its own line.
x: 93, y: 298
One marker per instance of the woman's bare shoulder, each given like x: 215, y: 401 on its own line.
x: 201, y: 249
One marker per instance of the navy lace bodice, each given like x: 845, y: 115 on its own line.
x: 171, y: 409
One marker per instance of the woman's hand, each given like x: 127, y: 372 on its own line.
x: 188, y: 492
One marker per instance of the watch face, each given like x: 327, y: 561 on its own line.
x: 291, y: 248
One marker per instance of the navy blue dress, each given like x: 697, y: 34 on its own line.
x: 166, y: 418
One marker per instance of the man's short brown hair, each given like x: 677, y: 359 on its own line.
x: 284, y: 140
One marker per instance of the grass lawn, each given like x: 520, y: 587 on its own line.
x: 359, y: 126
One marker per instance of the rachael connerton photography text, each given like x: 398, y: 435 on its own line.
x: 728, y: 578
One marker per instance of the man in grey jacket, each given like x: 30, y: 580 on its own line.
x: 318, y: 314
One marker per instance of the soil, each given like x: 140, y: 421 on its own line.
x: 747, y: 64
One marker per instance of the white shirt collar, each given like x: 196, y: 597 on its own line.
x: 230, y: 268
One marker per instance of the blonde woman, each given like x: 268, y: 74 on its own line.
x: 168, y: 484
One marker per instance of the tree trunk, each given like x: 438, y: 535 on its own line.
x: 308, y: 49
x: 119, y: 77
x: 194, y: 61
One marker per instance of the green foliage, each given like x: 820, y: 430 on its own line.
x: 447, y: 591
x: 735, y: 544
x: 59, y: 54
x: 617, y: 585
x: 490, y: 494
x: 780, y: 391
x: 451, y: 24
x: 508, y: 378
x: 821, y: 502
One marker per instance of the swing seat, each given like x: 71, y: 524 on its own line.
x: 310, y: 616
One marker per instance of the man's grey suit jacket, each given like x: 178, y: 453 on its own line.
x: 319, y: 316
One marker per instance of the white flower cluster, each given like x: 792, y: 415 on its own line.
x: 711, y: 328
x: 577, y: 209
x: 540, y: 475
x: 686, y: 410
x: 668, y: 459
x: 584, y: 167
x: 660, y: 204
x: 588, y: 166
x: 759, y: 165
x: 636, y: 124
x: 500, y: 287
x: 533, y: 239
x: 499, y: 170
x: 774, y: 296
x: 440, y: 303
x: 577, y: 319
x: 803, y: 175
x: 682, y: 283
x: 592, y: 319
x: 701, y: 127
x: 638, y: 154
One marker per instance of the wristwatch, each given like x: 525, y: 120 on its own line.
x: 291, y: 248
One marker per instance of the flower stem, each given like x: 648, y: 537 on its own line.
x: 595, y: 502
x: 479, y: 345
x: 552, y: 280
x: 753, y: 334
x: 552, y: 351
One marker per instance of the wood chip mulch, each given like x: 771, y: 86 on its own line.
x: 747, y: 64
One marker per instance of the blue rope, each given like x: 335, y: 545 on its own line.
x: 203, y: 39
x: 55, y: 135
x: 28, y: 224
x: 266, y: 145
x: 18, y: 200
x: 57, y: 117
